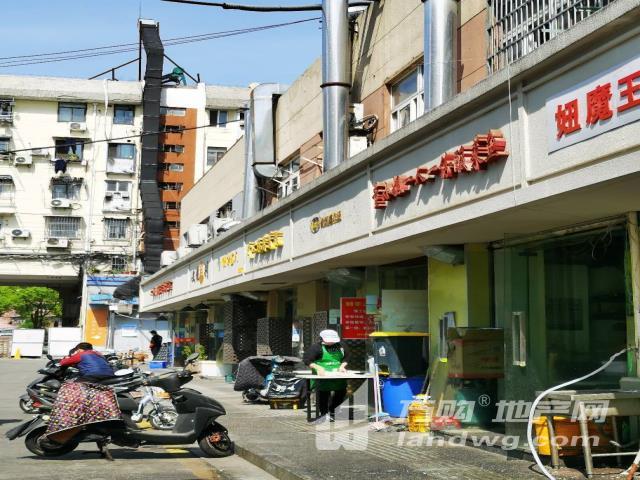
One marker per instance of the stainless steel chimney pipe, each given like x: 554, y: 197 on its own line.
x: 251, y: 196
x: 440, y: 21
x: 336, y: 81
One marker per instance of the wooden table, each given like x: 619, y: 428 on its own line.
x: 590, y: 404
x: 328, y: 376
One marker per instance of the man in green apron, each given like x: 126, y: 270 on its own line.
x: 327, y: 356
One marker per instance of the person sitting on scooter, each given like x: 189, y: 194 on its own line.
x: 80, y: 401
x: 329, y: 355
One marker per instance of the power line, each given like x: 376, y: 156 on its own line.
x: 21, y: 60
x: 103, y: 140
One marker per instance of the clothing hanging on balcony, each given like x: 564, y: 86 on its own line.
x: 60, y: 165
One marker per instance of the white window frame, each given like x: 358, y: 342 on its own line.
x: 125, y: 264
x: 115, y: 225
x: 68, y: 227
x: 117, y: 200
x: 218, y: 122
x: 172, y: 148
x: 78, y: 111
x: 175, y: 112
x: 71, y: 190
x: 415, y: 103
x: 7, y: 190
x: 290, y: 178
x: 219, y: 151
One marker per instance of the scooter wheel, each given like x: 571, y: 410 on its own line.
x: 163, y: 418
x: 215, y: 442
x: 27, y: 406
x: 31, y: 442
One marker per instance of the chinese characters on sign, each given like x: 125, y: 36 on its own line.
x: 355, y: 322
x: 472, y: 157
x: 228, y: 260
x: 318, y: 223
x: 267, y: 243
x: 164, y: 287
x: 601, y: 104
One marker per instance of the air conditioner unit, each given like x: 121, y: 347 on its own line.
x: 196, y: 235
x: 57, y: 242
x: 60, y: 203
x: 23, y: 161
x: 77, y: 127
x: 168, y: 257
x: 20, y: 233
x: 38, y: 152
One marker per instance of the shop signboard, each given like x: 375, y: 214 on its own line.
x: 599, y: 104
x: 200, y: 272
x: 228, y: 261
x: 355, y: 323
x: 268, y: 245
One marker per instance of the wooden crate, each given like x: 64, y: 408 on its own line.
x: 285, y: 403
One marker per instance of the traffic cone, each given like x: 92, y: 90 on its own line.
x: 16, y: 356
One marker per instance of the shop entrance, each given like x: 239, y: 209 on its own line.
x: 563, y: 304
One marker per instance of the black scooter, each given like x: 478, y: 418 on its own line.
x: 197, y: 415
x: 41, y: 393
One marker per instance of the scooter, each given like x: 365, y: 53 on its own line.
x: 196, y: 421
x: 42, y: 391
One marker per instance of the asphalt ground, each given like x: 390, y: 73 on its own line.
x: 148, y: 463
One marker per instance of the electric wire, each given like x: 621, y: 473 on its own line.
x: 79, y: 141
x: 33, y: 59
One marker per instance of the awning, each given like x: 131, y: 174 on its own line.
x: 128, y: 289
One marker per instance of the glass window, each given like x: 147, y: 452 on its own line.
x: 218, y: 118
x: 65, y: 227
x: 172, y: 128
x: 117, y: 186
x: 172, y: 148
x: 124, y: 114
x: 214, y: 154
x: 4, y: 144
x: 69, y: 148
x: 116, y: 228
x: 72, y: 112
x: 176, y: 112
x: 407, y: 99
x: 68, y: 190
x: 119, y: 264
x: 122, y: 150
x: 7, y: 188
x: 171, y: 205
x: 173, y: 167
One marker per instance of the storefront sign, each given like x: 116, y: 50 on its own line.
x: 179, y: 341
x: 602, y: 103
x: 200, y: 274
x: 267, y: 243
x: 468, y: 158
x: 164, y: 287
x: 356, y: 324
x: 323, y: 222
x: 229, y: 260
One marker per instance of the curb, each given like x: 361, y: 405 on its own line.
x: 268, y: 466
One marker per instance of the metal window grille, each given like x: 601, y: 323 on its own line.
x: 517, y: 27
x: 64, y: 227
x: 119, y: 264
x: 116, y: 228
x: 7, y: 190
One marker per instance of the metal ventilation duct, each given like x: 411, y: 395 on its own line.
x: 336, y: 81
x: 151, y: 202
x: 440, y: 21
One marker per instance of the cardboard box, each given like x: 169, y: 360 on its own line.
x: 475, y: 352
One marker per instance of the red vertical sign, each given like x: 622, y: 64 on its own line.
x: 356, y: 324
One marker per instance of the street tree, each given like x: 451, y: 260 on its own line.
x: 37, y: 305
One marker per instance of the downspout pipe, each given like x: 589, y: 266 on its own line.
x: 336, y: 81
x: 440, y: 66
x: 250, y: 198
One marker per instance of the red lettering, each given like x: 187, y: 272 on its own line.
x: 598, y: 106
x: 629, y: 91
x: 567, y: 118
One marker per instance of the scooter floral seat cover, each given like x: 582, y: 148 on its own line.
x: 79, y: 404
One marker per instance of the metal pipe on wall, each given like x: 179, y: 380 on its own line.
x: 440, y: 66
x: 336, y: 81
x: 250, y: 198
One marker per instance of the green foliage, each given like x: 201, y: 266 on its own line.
x: 36, y: 305
x: 188, y: 350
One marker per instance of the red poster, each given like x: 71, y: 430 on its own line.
x: 356, y: 324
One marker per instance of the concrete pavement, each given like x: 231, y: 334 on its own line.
x: 147, y: 463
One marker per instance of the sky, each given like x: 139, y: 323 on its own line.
x: 45, y: 26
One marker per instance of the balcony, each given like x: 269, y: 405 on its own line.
x: 6, y: 117
x: 170, y: 195
x: 125, y: 166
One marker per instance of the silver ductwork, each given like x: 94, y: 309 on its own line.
x: 259, y: 141
x: 440, y: 23
x: 336, y: 81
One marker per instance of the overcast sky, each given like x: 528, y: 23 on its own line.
x: 44, y: 26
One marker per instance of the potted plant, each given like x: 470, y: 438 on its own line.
x: 202, y: 355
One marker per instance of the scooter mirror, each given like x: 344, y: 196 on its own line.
x: 192, y: 358
x: 49, y: 357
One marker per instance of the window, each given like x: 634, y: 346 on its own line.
x: 218, y: 118
x: 171, y: 205
x: 119, y: 264
x: 172, y: 148
x: 172, y: 224
x: 7, y: 190
x: 116, y: 229
x: 407, y: 99
x: 124, y: 114
x: 6, y: 110
x: 72, y: 112
x: 176, y: 112
x: 65, y: 227
x: 4, y: 144
x: 122, y: 150
x: 241, y: 118
x: 214, y: 154
x: 518, y: 27
x: 289, y: 180
x: 121, y: 158
x: 172, y: 128
x: 170, y: 186
x: 117, y: 196
x: 172, y: 167
x: 69, y: 148
x: 65, y: 189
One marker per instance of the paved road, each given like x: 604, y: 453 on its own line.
x: 178, y: 463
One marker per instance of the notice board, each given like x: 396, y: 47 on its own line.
x: 355, y: 322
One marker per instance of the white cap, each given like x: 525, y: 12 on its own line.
x: 329, y: 336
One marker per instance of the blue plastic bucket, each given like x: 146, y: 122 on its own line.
x: 398, y: 393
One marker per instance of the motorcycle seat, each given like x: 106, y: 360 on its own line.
x: 115, y: 380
